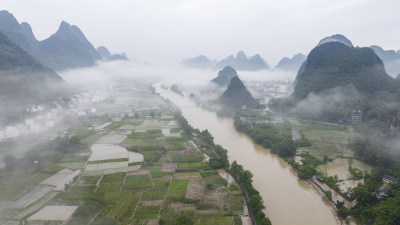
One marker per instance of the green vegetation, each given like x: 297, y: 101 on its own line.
x: 167, y: 180
x: 277, y: 137
x: 236, y: 95
x: 23, y: 81
x: 178, y: 189
x: 335, y: 64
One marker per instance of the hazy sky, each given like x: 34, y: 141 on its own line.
x: 158, y: 31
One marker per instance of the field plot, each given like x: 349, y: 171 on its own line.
x: 127, y: 127
x: 36, y: 206
x: 72, y: 165
x: 178, y: 189
x: 102, y: 126
x: 326, y: 139
x: 31, y: 197
x: 169, y: 167
x: 195, y: 189
x: 135, y: 157
x: 108, y: 168
x: 102, y: 152
x: 60, y: 179
x: 147, y: 212
x: 111, y: 139
x: 137, y: 182
x: 54, y: 213
x: 339, y: 167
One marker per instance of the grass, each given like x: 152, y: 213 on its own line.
x: 186, y: 158
x: 82, y: 133
x: 137, y: 183
x: 84, y: 213
x: 236, y: 203
x: 207, y: 173
x: 152, y: 156
x: 73, y: 158
x: 52, y: 168
x: 156, y: 171
x: 158, y: 192
x: 11, y: 186
x: 79, y: 192
x: 155, y: 194
x: 178, y: 189
x: 146, y: 212
x: 90, y: 180
x: 111, y: 178
x: 123, y: 206
x: 215, y: 181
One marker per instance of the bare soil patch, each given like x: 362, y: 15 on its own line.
x: 152, y: 203
x: 195, y: 189
x: 169, y: 167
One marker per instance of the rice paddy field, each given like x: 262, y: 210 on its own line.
x: 129, y: 173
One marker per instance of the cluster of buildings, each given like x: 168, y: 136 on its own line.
x: 44, y: 117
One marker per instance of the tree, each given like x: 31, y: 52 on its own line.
x: 185, y: 220
x: 307, y: 172
x: 207, y: 137
x: 328, y: 194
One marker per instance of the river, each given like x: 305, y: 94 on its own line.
x: 288, y: 200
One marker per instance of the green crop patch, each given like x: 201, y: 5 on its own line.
x: 155, y: 194
x: 178, y: 189
x: 147, y: 212
x: 186, y: 158
x: 137, y: 182
x: 112, y: 178
x: 207, y: 173
x: 79, y: 192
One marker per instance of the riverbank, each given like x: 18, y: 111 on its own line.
x: 288, y: 199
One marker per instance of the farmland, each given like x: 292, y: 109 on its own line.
x: 125, y: 172
x: 329, y: 150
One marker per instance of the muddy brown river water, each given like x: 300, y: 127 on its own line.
x: 288, y: 200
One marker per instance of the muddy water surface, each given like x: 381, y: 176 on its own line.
x: 288, y: 200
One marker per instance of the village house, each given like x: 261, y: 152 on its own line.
x: 389, y: 179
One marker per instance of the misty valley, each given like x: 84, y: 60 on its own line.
x: 88, y: 136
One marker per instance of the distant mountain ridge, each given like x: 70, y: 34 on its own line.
x: 107, y: 56
x: 240, y: 62
x: 390, y: 58
x: 336, y: 38
x: 67, y: 48
x: 200, y: 62
x: 224, y: 76
x: 291, y: 64
x: 24, y: 80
